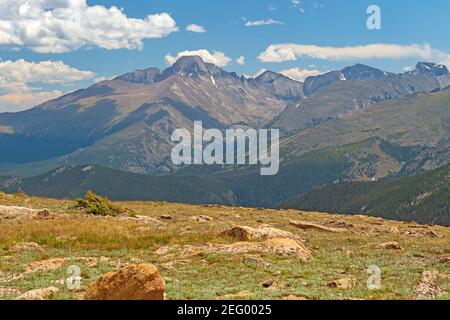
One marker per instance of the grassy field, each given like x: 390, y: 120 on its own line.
x: 101, y: 244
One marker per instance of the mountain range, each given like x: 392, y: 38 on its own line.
x: 126, y: 123
x: 357, y: 125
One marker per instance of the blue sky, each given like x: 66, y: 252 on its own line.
x: 417, y: 30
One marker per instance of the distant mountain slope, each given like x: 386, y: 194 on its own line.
x: 338, y: 93
x: 235, y: 186
x: 414, y: 129
x: 424, y: 198
x: 331, y: 168
x: 242, y: 186
x: 126, y: 123
x: 69, y: 182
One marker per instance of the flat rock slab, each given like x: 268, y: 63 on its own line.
x: 245, y: 233
x: 308, y: 225
x: 20, y: 213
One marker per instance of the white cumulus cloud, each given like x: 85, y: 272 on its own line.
x: 21, y: 81
x: 218, y: 58
x: 264, y: 22
x: 195, y: 28
x: 57, y: 26
x: 240, y: 61
x: 300, y: 74
x: 291, y: 52
x: 13, y: 102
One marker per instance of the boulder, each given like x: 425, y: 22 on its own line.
x: 133, y: 282
x: 241, y: 233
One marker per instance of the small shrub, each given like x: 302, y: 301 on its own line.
x: 98, y: 205
x: 20, y: 195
